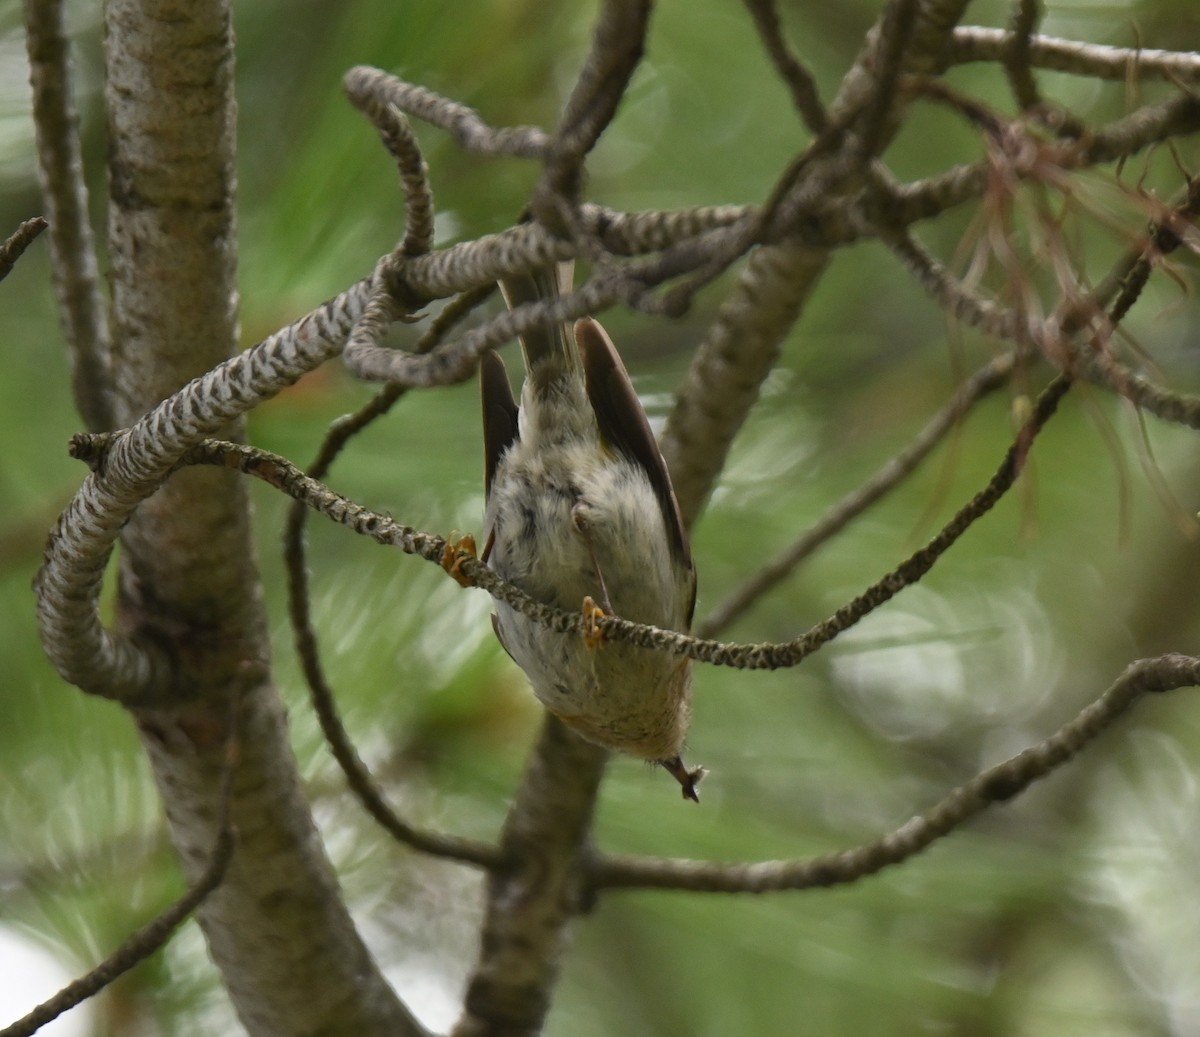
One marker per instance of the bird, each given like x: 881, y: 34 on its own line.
x: 580, y: 512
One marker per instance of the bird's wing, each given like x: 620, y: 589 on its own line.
x: 623, y: 426
x: 499, y: 414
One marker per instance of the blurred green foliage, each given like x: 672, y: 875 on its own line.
x: 1071, y: 910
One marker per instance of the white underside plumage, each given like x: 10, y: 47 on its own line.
x: 563, y: 512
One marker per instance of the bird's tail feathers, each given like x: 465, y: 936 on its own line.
x: 548, y: 349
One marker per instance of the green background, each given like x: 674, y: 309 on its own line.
x: 1075, y: 909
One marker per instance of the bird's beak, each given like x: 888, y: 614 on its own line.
x: 688, y: 779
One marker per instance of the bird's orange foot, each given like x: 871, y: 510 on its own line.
x: 458, y: 550
x: 593, y: 633
x: 688, y: 779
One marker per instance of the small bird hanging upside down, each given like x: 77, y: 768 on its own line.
x: 580, y: 509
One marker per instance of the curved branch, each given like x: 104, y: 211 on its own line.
x: 68, y: 584
x: 358, y: 776
x: 1015, y: 56
x: 995, y: 785
x: 462, y: 123
x: 140, y: 458
x: 496, y: 257
x: 456, y: 361
x: 897, y: 49
x: 402, y: 145
x: 801, y: 83
x: 526, y: 246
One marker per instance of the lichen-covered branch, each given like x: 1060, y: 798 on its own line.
x: 132, y: 670
x: 1094, y: 60
x: 995, y: 785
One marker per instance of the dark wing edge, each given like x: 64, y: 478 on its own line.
x: 499, y: 415
x: 623, y: 425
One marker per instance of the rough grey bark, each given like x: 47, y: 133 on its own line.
x: 277, y: 925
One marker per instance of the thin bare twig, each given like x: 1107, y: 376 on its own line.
x: 346, y: 427
x: 17, y: 242
x: 364, y: 352
x: 390, y: 300
x: 155, y: 934
x: 72, y: 247
x: 917, y: 565
x: 984, y: 381
x: 1122, y: 138
x: 358, y: 777
x: 952, y: 295
x: 1026, y: 16
x: 618, y: 42
x: 995, y: 785
x: 896, y: 33
x: 800, y: 81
